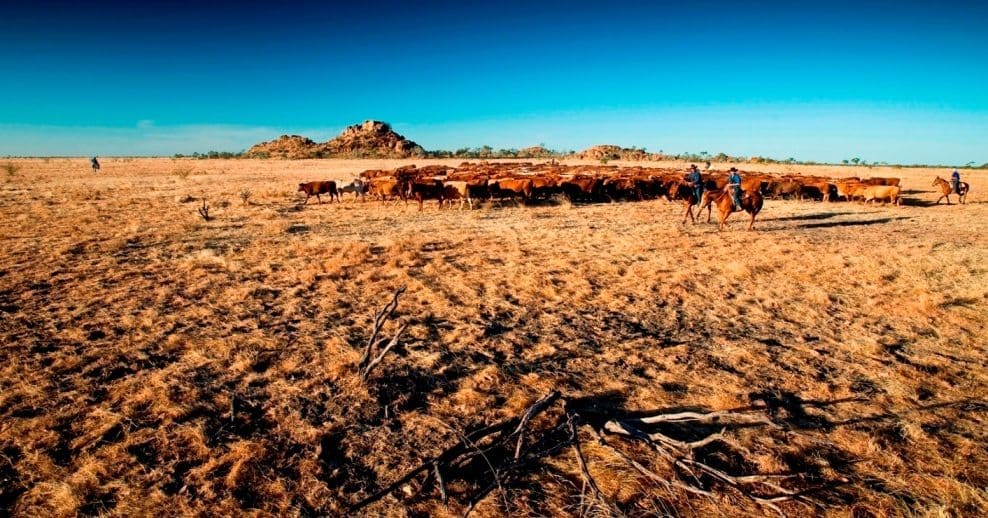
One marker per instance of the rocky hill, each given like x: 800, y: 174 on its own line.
x: 611, y: 152
x: 372, y: 139
x: 285, y: 146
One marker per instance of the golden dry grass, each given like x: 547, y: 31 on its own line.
x: 156, y: 363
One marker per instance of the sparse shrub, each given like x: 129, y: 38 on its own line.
x: 182, y: 172
x: 204, y: 210
x: 245, y: 195
x: 603, y: 161
x: 11, y: 168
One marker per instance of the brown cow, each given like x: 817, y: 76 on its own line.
x: 881, y: 181
x: 511, y: 188
x: 385, y: 188
x: 857, y: 190
x: 621, y: 188
x: 316, y: 188
x: 544, y: 186
x: 817, y: 189
x: 421, y: 189
x: 456, y: 190
x: 873, y: 193
x: 844, y: 188
x: 786, y: 188
x: 581, y: 188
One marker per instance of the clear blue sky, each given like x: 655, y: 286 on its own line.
x: 898, y: 81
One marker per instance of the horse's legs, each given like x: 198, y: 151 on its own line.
x: 689, y: 212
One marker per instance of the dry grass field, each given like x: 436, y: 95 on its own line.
x: 156, y: 363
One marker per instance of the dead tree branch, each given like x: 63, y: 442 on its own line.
x: 493, y: 445
x: 204, y: 210
x: 365, y: 373
x: 382, y: 316
x: 491, y: 458
x: 366, y: 364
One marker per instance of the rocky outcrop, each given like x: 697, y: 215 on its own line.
x: 372, y: 139
x: 611, y: 152
x: 285, y: 146
x: 535, y: 152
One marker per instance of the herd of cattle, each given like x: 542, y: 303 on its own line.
x: 529, y: 182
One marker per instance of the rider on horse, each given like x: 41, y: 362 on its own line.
x: 734, y: 184
x: 95, y: 164
x: 955, y: 181
x: 696, y: 181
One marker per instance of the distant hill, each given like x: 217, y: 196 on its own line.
x: 611, y: 152
x: 285, y: 146
x: 372, y: 139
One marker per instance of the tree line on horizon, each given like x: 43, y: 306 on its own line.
x: 541, y: 152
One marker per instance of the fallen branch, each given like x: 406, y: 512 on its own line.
x: 682, y: 459
x: 588, y: 479
x: 536, y: 408
x: 366, y: 364
x: 457, y: 461
x: 491, y: 458
x: 394, y: 340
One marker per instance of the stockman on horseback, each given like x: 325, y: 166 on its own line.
x: 734, y: 184
x: 696, y: 180
x: 955, y: 182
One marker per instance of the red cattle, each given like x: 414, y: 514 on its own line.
x: 316, y: 188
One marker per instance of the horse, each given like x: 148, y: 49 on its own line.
x: 684, y: 191
x: 751, y: 202
x: 946, y: 189
x: 95, y: 164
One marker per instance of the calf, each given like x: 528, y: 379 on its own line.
x: 316, y: 188
x: 358, y: 187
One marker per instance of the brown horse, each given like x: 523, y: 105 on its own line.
x: 751, y: 202
x: 684, y: 191
x: 946, y: 190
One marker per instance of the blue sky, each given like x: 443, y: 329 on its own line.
x: 900, y: 81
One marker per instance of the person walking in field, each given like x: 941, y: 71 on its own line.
x: 695, y: 180
x: 734, y: 184
x: 955, y: 181
x: 95, y: 164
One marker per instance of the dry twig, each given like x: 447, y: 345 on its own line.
x: 366, y: 363
x: 204, y: 210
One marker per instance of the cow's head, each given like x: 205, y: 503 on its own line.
x: 301, y: 187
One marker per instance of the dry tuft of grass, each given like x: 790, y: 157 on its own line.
x: 153, y: 363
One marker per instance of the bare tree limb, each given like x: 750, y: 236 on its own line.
x: 379, y: 320
x: 394, y: 340
x: 532, y: 411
